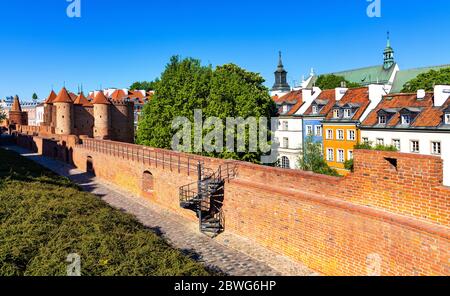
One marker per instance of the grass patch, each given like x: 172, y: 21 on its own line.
x: 45, y: 217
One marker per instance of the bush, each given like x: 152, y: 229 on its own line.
x: 369, y: 146
x: 44, y: 218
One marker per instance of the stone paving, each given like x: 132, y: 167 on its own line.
x: 228, y: 253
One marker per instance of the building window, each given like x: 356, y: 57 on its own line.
x: 340, y: 134
x: 285, y: 125
x: 285, y: 142
x: 329, y: 134
x: 285, y: 163
x: 347, y: 113
x: 382, y: 119
x: 315, y: 109
x: 351, y: 135
x: 318, y: 131
x: 330, y: 154
x: 396, y: 144
x: 340, y: 156
x: 415, y: 148
x: 406, y: 119
x: 285, y: 108
x: 447, y: 118
x: 336, y: 113
x: 309, y: 130
x: 436, y: 148
x: 350, y: 154
x: 380, y: 141
x: 365, y: 140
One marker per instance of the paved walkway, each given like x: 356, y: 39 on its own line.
x: 228, y: 253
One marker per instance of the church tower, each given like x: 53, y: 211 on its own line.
x: 281, y: 86
x: 388, y: 54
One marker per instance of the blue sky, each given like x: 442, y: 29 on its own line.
x: 115, y: 43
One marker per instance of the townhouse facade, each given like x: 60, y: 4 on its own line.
x: 416, y: 123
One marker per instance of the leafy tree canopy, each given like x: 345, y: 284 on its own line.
x: 330, y: 81
x: 428, y: 80
x: 34, y: 97
x: 2, y: 114
x: 144, y: 85
x: 186, y: 85
x: 313, y: 160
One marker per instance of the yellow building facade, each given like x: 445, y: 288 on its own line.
x: 339, y: 140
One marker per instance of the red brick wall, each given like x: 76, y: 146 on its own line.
x: 334, y: 225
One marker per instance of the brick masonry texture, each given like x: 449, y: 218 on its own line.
x: 393, y: 207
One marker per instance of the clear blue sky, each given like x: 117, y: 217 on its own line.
x: 117, y: 42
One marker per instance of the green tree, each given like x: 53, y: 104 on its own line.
x: 35, y: 97
x: 428, y: 80
x: 145, y: 85
x: 2, y: 114
x: 331, y: 81
x: 186, y: 85
x: 313, y: 159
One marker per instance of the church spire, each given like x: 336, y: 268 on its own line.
x: 388, y: 54
x: 281, y: 84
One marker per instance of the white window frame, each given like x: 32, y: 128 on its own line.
x: 349, y: 132
x: 285, y: 125
x: 394, y: 143
x: 309, y: 130
x: 338, y: 135
x: 340, y: 152
x: 347, y: 113
x: 447, y: 118
x: 380, y: 141
x: 406, y: 119
x: 286, y: 142
x: 285, y: 162
x: 330, y: 154
x: 365, y: 140
x: 336, y: 113
x: 438, y: 145
x: 315, y: 109
x: 318, y: 130
x: 350, y: 154
x: 330, y: 137
x: 382, y: 119
x: 412, y: 146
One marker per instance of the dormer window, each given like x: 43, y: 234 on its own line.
x: 382, y: 119
x: 315, y: 109
x: 336, y: 113
x: 347, y: 113
x: 406, y: 119
x: 447, y: 118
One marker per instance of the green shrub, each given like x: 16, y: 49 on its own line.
x: 44, y: 218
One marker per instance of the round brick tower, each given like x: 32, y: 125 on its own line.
x: 64, y: 113
x: 16, y: 116
x: 48, y: 110
x: 101, y: 116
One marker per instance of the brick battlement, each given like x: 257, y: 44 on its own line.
x: 393, y: 206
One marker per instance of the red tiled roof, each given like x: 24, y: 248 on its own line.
x: 294, y: 98
x: 101, y: 99
x: 118, y: 94
x: 63, y: 97
x: 427, y: 116
x: 328, y: 95
x: 359, y: 96
x: 82, y: 100
x: 73, y: 96
x: 51, y: 98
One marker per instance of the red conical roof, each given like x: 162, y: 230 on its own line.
x: 16, y: 105
x: 51, y: 98
x: 81, y: 100
x: 63, y: 97
x: 100, y: 99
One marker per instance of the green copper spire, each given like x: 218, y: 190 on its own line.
x: 388, y: 54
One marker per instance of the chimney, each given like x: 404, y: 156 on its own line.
x: 340, y: 92
x: 309, y: 95
x: 421, y: 94
x: 441, y: 94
